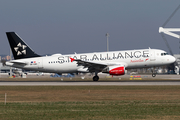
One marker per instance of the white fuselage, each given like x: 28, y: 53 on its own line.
x: 63, y: 64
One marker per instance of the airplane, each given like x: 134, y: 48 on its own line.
x: 113, y: 63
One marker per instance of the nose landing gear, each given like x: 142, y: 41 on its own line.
x: 153, y: 72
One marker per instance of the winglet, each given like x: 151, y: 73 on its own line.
x: 72, y: 59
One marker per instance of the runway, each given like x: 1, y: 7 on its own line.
x: 84, y: 83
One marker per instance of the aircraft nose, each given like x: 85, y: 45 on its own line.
x: 172, y: 59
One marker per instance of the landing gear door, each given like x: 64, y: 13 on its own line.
x: 40, y: 63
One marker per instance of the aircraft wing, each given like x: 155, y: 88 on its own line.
x: 92, y: 66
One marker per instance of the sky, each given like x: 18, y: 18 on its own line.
x: 68, y: 26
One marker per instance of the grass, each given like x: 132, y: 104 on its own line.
x: 90, y: 102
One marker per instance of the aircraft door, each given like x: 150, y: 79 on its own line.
x: 152, y: 57
x: 40, y: 63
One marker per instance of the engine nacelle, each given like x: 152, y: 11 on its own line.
x: 115, y: 70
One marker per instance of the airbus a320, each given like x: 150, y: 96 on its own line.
x: 113, y: 63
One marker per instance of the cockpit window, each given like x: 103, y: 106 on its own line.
x: 163, y: 54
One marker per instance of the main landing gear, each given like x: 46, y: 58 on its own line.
x: 96, y: 77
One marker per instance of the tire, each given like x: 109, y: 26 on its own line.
x: 95, y: 78
x: 154, y: 75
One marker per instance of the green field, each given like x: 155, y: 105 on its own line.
x: 90, y: 102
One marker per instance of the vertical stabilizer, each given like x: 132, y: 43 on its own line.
x: 19, y: 48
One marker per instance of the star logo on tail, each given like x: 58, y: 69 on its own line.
x: 20, y: 49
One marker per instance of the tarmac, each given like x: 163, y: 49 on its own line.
x: 82, y: 83
x: 126, y: 80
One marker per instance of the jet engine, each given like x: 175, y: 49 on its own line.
x: 115, y: 70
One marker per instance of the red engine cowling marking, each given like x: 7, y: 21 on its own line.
x: 117, y: 71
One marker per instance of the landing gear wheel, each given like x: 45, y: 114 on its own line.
x: 95, y: 78
x: 154, y: 75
